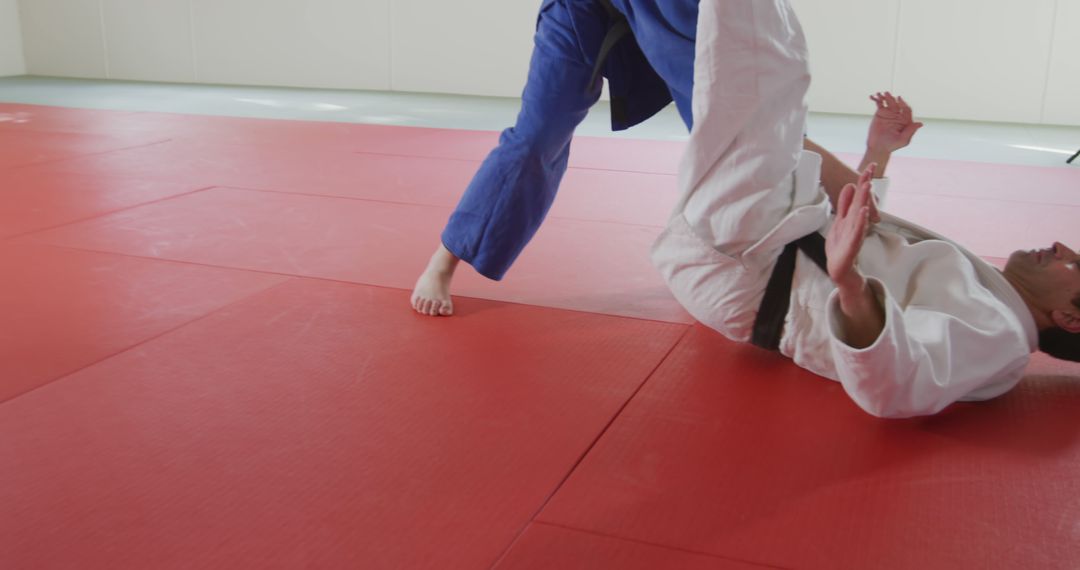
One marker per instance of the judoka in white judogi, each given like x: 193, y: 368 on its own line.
x: 954, y: 328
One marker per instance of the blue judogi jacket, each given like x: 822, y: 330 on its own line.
x: 647, y: 70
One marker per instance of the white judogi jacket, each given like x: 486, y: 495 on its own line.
x: 954, y: 327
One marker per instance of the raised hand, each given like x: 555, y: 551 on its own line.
x: 892, y: 126
x: 846, y: 236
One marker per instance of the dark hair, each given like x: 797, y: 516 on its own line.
x: 1059, y: 343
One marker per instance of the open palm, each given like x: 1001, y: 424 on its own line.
x: 846, y: 235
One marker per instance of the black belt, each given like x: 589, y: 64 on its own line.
x: 769, y: 324
x: 619, y: 30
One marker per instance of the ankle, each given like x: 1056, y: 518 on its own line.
x: 443, y: 261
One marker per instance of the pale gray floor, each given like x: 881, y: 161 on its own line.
x: 1037, y: 145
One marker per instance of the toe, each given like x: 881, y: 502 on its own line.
x: 446, y: 309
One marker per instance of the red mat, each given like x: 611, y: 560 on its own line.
x: 729, y: 450
x: 20, y: 149
x: 587, y: 266
x: 38, y: 198
x: 180, y: 398
x: 315, y: 425
x: 658, y: 157
x: 599, y: 195
x: 63, y: 309
x: 544, y: 547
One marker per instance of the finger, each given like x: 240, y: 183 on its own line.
x: 871, y: 203
x: 861, y: 198
x: 890, y: 99
x: 861, y: 224
x: 867, y: 174
x: 847, y: 194
x: 865, y: 199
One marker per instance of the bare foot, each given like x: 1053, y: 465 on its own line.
x: 431, y: 296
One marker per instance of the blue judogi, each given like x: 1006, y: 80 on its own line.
x: 514, y: 188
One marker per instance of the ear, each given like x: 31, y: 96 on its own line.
x: 1069, y: 321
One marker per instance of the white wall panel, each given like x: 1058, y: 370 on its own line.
x: 479, y: 47
x: 11, y: 50
x: 852, y: 50
x: 973, y: 59
x: 963, y: 59
x: 1063, y: 86
x: 149, y: 40
x: 63, y: 37
x: 313, y: 43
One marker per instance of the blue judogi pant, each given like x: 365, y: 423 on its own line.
x: 511, y: 193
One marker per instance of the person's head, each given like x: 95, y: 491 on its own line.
x: 1049, y: 281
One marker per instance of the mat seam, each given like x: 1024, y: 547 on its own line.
x: 107, y: 213
x: 70, y: 373
x: 343, y: 282
x: 397, y: 203
x: 588, y: 450
x: 88, y: 155
x: 660, y: 545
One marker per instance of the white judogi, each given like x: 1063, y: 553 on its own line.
x: 954, y: 327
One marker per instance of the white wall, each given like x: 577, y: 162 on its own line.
x: 448, y: 47
x: 852, y: 51
x: 992, y: 60
x: 971, y: 59
x: 1062, y: 104
x: 996, y: 60
x: 11, y: 50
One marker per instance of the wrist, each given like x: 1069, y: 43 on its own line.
x: 876, y: 156
x: 878, y: 152
x: 852, y: 290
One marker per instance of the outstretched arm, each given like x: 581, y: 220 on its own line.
x: 891, y: 129
x: 835, y: 175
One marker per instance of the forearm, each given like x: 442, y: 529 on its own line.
x: 879, y: 157
x: 861, y: 314
x: 835, y: 174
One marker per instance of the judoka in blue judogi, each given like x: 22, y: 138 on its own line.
x: 647, y: 67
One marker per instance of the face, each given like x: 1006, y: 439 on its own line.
x: 1051, y: 279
